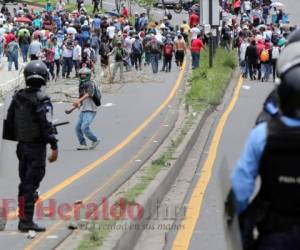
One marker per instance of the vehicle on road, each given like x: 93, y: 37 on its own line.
x: 176, y: 5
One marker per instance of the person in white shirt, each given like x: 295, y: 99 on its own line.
x: 267, y: 34
x: 247, y: 7
x: 242, y: 57
x: 60, y: 6
x: 194, y: 32
x: 111, y: 31
x: 76, y: 57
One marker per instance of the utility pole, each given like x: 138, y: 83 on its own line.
x: 211, y: 49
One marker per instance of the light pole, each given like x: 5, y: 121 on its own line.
x: 211, y: 51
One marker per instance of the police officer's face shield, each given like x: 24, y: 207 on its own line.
x: 288, y: 73
x: 289, y: 58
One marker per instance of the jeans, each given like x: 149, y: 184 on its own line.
x: 24, y: 50
x: 57, y: 64
x: 67, y: 66
x: 116, y: 66
x: 252, y: 69
x: 244, y: 68
x: 195, y: 60
x: 83, y: 127
x: 76, y: 64
x: 13, y: 58
x: 137, y: 61
x: 50, y: 66
x: 266, y: 70
x: 167, y: 63
x: 274, y: 63
x: 147, y: 58
x: 154, y: 62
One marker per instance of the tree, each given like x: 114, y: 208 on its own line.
x: 147, y: 4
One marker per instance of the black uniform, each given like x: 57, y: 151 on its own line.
x: 29, y: 123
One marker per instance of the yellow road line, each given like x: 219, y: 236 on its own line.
x: 93, y: 165
x: 116, y: 175
x: 184, y: 236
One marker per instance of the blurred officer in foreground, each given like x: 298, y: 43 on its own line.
x: 272, y: 152
x: 29, y: 123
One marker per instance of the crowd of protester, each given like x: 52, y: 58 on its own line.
x: 68, y: 41
x: 258, y: 30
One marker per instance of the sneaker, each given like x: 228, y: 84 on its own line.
x: 83, y: 147
x: 94, y: 144
x: 24, y: 227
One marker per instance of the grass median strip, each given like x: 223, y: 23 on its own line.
x: 208, y: 84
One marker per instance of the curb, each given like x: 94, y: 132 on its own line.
x: 154, y: 194
x: 124, y: 240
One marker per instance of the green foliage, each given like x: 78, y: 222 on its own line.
x: 209, y: 84
x: 98, y: 232
x: 145, y: 3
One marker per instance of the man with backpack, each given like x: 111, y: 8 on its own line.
x: 24, y: 42
x: 168, y: 50
x: 119, y: 54
x: 265, y: 59
x: 13, y: 54
x: 96, y: 25
x: 89, y: 99
x: 155, y: 52
x: 137, y: 52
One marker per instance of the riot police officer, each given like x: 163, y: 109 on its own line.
x: 29, y: 123
x: 272, y: 152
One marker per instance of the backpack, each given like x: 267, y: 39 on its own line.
x: 94, y: 42
x: 12, y: 47
x: 119, y: 54
x: 264, y: 55
x: 92, y: 54
x: 154, y: 48
x: 96, y: 95
x: 97, y: 23
x: 168, y: 50
x: 226, y: 33
x: 275, y: 53
x: 137, y: 47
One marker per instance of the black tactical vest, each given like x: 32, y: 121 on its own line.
x: 280, y: 169
x: 26, y: 124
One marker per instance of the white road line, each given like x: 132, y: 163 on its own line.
x: 109, y: 104
x: 52, y: 237
x: 246, y: 87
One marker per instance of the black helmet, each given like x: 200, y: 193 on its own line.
x: 288, y: 70
x: 36, y: 73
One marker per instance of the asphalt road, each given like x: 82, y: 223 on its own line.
x: 131, y: 118
x: 211, y: 231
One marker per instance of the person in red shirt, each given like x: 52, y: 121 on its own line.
x: 196, y: 47
x: 194, y: 19
x: 125, y: 11
x: 9, y: 37
x: 237, y: 7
